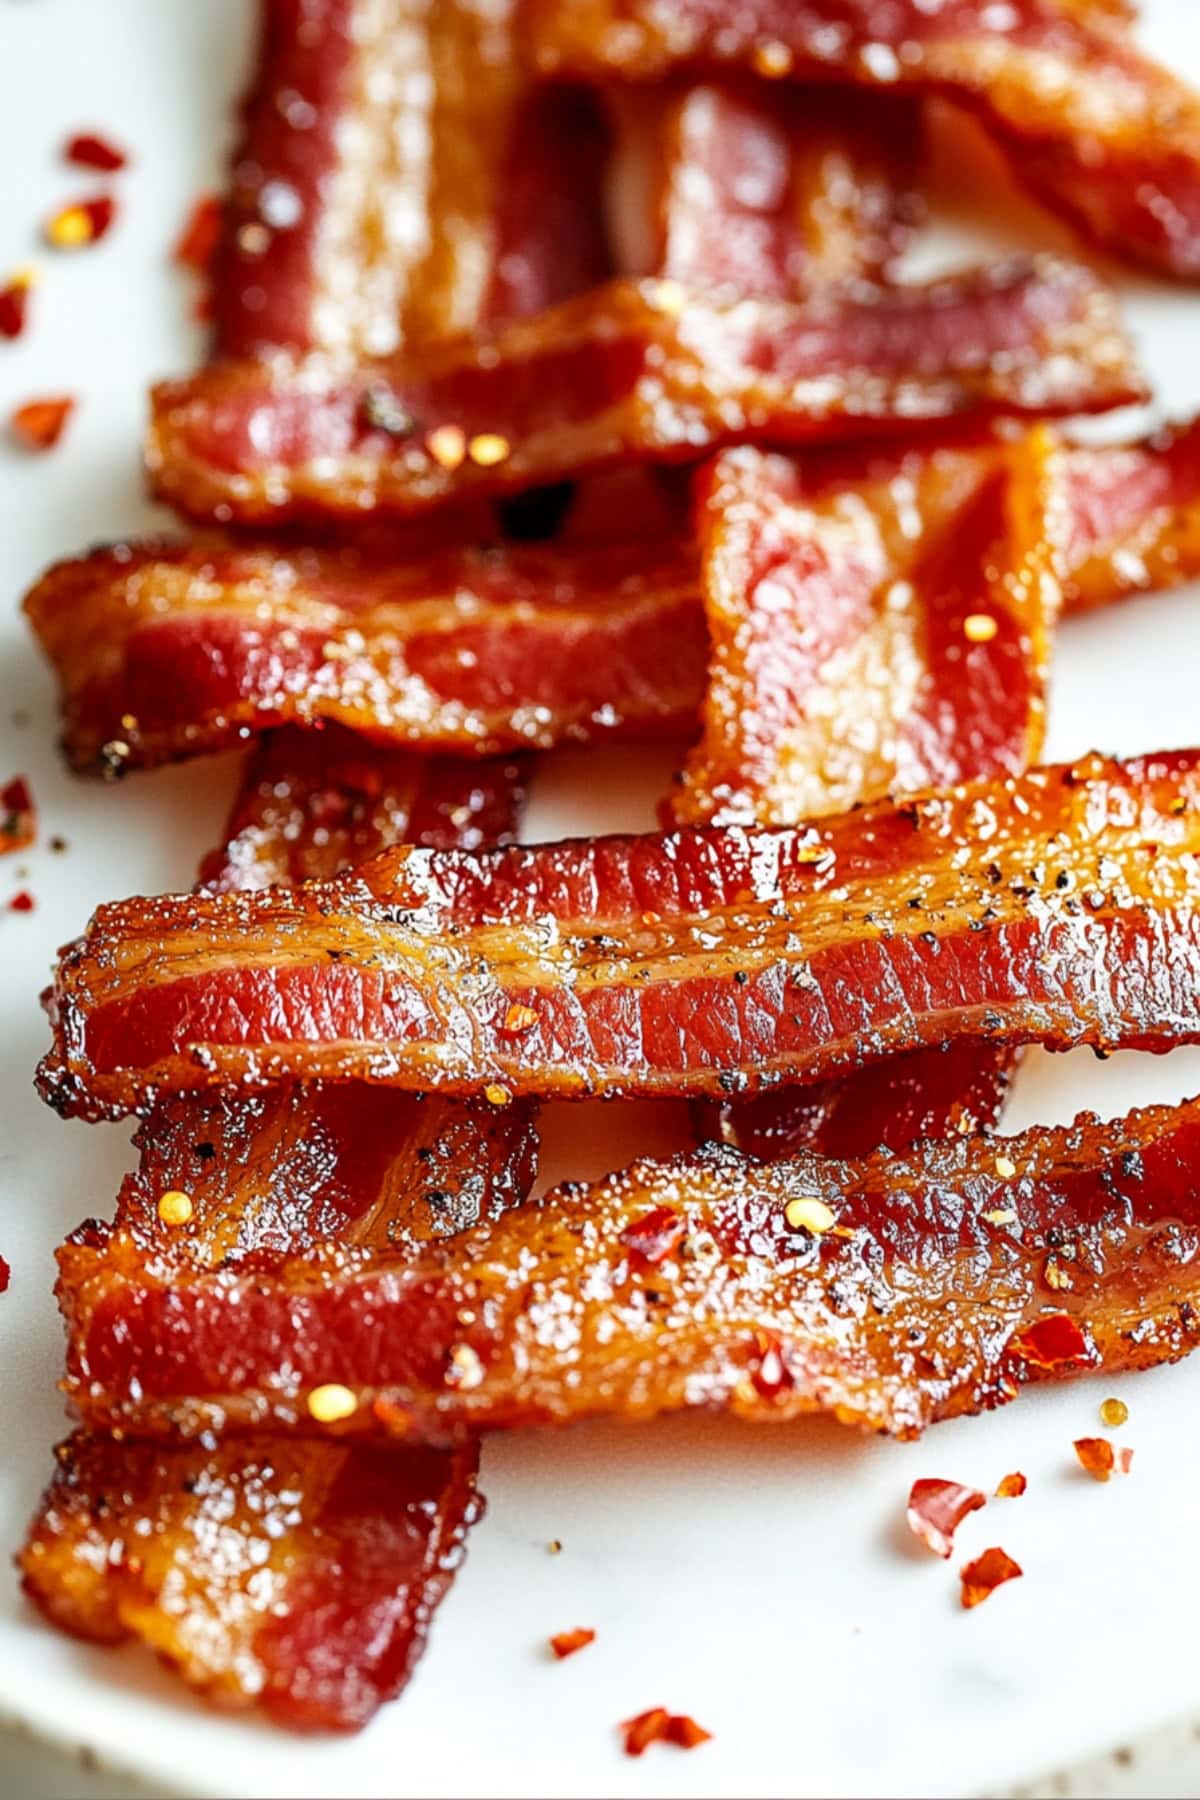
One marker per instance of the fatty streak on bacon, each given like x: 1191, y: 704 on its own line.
x: 739, y: 186
x: 943, y: 1285
x: 243, y: 630
x: 637, y: 371
x: 1060, y: 907
x: 1093, y: 127
x: 399, y: 179
x: 299, y: 1577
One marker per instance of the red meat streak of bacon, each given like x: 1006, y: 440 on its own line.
x: 1056, y: 907
x: 633, y: 371
x: 1093, y: 127
x: 309, y: 1571
x: 1065, y: 1250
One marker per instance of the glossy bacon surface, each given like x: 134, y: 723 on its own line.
x: 1092, y: 126
x: 399, y: 179
x: 298, y: 1576
x: 167, y: 649
x: 636, y: 371
x: 948, y: 1279
x: 1059, y: 907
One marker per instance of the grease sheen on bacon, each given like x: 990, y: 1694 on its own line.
x: 1059, y: 907
x: 639, y: 371
x: 944, y: 1284
x: 1092, y: 126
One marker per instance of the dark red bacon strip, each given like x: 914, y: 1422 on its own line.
x: 633, y: 371
x: 893, y: 1292
x: 1059, y: 907
x: 1094, y: 128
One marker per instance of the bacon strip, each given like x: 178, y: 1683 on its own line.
x: 167, y: 650
x: 1058, y: 907
x: 738, y: 186
x: 301, y: 1577
x: 1094, y: 128
x: 631, y: 371
x: 920, y: 1288
x: 399, y: 179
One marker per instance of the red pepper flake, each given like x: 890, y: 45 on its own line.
x: 654, y: 1235
x: 566, y: 1643
x: 22, y: 902
x: 1011, y: 1487
x: 659, y: 1726
x: 82, y: 223
x: 14, y: 303
x: 988, y: 1572
x: 39, y: 424
x: 5, y: 1275
x: 197, y: 241
x: 936, y: 1509
x: 1053, y: 1342
x: 18, y: 821
x: 1101, y: 1459
x: 92, y: 151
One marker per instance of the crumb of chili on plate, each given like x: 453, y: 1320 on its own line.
x: 92, y: 151
x: 1113, y: 1412
x: 986, y: 1573
x: 1011, y: 1487
x: 197, y: 241
x: 81, y: 223
x: 38, y: 424
x: 1101, y: 1459
x: 566, y: 1643
x: 22, y: 901
x: 18, y: 818
x: 5, y: 1274
x: 936, y: 1509
x: 14, y: 302
x: 658, y: 1726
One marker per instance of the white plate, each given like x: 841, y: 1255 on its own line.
x: 760, y: 1580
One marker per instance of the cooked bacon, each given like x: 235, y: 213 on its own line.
x: 1133, y: 517
x: 369, y: 116
x: 1094, y: 128
x: 743, y: 187
x: 633, y: 370
x: 1058, y: 907
x: 167, y: 649
x: 359, y: 1546
x: 923, y: 1300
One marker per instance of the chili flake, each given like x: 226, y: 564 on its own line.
x: 659, y: 1726
x: 1100, y: 1459
x: 14, y: 303
x: 936, y: 1509
x: 21, y: 902
x: 518, y: 1019
x: 175, y: 1207
x: 1113, y: 1413
x: 198, y: 240
x: 82, y: 223
x: 496, y: 1094
x: 332, y: 1402
x: 1011, y: 1487
x: 91, y: 151
x: 566, y: 1643
x: 18, y: 821
x: 809, y: 1213
x: 38, y: 424
x: 986, y: 1573
x: 654, y: 1235
x: 1053, y: 1342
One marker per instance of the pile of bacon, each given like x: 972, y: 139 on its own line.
x: 489, y: 462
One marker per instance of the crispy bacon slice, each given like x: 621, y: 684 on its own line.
x: 297, y: 1576
x: 1094, y: 128
x: 1059, y: 907
x: 633, y: 370
x: 931, y: 1293
x: 399, y: 179
x: 1133, y: 517
x: 740, y: 186
x: 167, y: 649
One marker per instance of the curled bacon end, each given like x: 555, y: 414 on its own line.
x: 39, y: 424
x: 566, y: 1643
x: 1054, y: 1342
x: 936, y: 1509
x: 197, y: 242
x: 658, y: 1726
x: 18, y: 820
x: 986, y: 1573
x: 655, y: 1235
x: 1101, y: 1459
x: 1011, y: 1487
x: 91, y: 151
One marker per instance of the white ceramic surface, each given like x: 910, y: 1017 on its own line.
x: 760, y: 1580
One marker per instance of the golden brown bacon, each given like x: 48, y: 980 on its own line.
x: 739, y: 186
x: 399, y: 179
x: 170, y: 648
x: 357, y: 1548
x: 633, y: 371
x: 1093, y: 127
x: 1060, y: 907
x: 891, y: 1291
